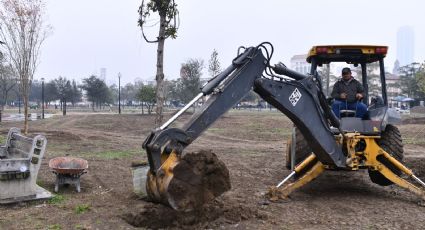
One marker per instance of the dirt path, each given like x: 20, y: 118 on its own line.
x: 251, y: 144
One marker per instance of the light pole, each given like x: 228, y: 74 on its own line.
x: 42, y: 98
x: 19, y: 95
x: 119, y: 93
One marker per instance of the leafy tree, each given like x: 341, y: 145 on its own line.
x: 174, y: 91
x: 22, y: 32
x: 251, y: 97
x: 191, y: 73
x: 146, y: 95
x: 410, y: 80
x: 50, y: 92
x: 64, y: 92
x: 113, y: 89
x: 35, y: 92
x: 168, y: 25
x: 421, y: 80
x: 76, y: 94
x: 128, y: 93
x: 327, y: 79
x: 97, y: 91
x: 214, y: 64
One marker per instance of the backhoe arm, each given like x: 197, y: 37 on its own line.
x: 300, y: 98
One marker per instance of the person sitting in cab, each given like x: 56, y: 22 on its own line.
x: 348, y: 93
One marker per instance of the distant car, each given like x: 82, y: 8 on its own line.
x: 402, y: 111
x: 405, y: 111
x: 34, y: 106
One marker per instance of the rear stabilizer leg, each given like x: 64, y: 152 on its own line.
x: 276, y: 193
x: 390, y: 175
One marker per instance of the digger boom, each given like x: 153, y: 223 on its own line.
x: 297, y: 97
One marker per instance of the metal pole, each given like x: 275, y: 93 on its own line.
x: 19, y: 96
x: 42, y: 98
x: 119, y: 93
x: 294, y: 142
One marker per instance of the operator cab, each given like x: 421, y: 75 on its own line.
x: 368, y: 62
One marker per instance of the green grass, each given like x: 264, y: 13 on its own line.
x: 2, y: 140
x: 40, y: 183
x: 413, y: 141
x: 79, y: 226
x: 108, y: 155
x: 57, y: 199
x: 54, y: 227
x: 81, y: 208
x: 215, y: 130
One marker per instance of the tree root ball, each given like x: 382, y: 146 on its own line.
x: 198, y: 179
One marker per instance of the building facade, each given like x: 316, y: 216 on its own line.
x: 405, y: 45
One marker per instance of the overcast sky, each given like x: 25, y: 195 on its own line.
x: 93, y: 34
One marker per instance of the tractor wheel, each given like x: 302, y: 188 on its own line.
x: 391, y: 142
x: 302, y: 150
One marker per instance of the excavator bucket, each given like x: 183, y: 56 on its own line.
x: 188, y: 182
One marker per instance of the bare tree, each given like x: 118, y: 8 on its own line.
x: 7, y: 82
x: 168, y: 25
x: 214, y: 64
x: 22, y: 30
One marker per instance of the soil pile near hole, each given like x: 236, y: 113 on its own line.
x: 198, y: 178
x: 211, y: 215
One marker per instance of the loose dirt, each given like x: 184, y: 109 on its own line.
x: 198, y: 179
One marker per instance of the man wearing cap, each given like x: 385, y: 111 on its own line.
x: 347, y: 93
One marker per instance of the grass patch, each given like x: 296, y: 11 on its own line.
x: 40, y: 183
x: 79, y: 227
x: 57, y: 199
x: 250, y: 151
x: 54, y: 227
x: 413, y: 141
x: 81, y: 208
x: 112, y: 154
x: 215, y: 130
x: 2, y: 140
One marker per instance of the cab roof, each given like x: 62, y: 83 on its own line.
x: 351, y: 54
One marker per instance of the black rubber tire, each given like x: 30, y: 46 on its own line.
x: 302, y: 150
x: 392, y: 143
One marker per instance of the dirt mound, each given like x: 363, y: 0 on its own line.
x: 60, y: 136
x: 198, y: 179
x: 414, y: 120
x: 418, y: 109
x: 212, y: 215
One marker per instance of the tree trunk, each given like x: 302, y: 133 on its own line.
x: 143, y: 112
x: 64, y: 108
x: 26, y: 115
x: 160, y: 72
x: 328, y: 72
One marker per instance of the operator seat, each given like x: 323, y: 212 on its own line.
x: 347, y: 113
